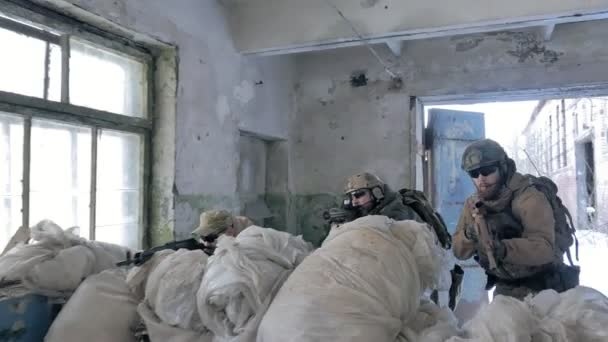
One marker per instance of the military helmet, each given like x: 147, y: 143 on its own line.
x: 363, y: 180
x: 214, y: 222
x: 482, y: 153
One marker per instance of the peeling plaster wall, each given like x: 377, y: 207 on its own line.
x: 270, y: 79
x: 496, y: 62
x: 218, y: 92
x: 340, y: 129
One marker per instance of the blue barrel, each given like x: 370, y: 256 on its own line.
x: 26, y: 318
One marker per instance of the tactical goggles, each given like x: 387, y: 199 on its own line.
x: 210, y: 238
x: 484, y: 171
x: 359, y: 193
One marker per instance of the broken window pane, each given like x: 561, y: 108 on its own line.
x: 60, y: 172
x: 119, y: 188
x: 11, y: 173
x: 105, y: 80
x: 22, y: 64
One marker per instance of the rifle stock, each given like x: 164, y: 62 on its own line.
x: 484, y: 235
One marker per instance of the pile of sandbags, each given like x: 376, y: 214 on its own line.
x: 430, y: 324
x: 169, y: 307
x: 364, y: 284
x: 57, y: 261
x: 243, y: 277
x: 102, y: 309
x: 137, y: 277
x: 580, y: 315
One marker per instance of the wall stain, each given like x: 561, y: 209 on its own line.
x: 528, y: 46
x: 468, y: 43
x: 358, y: 80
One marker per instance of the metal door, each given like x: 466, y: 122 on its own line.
x: 448, y: 134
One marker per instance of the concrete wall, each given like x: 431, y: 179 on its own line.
x: 218, y: 91
x: 340, y: 129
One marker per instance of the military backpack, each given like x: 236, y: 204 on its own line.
x: 564, y: 227
x: 418, y: 201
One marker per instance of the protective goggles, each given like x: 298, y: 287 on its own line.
x: 359, y: 193
x: 484, y: 171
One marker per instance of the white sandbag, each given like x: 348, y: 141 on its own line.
x: 583, y: 314
x: 64, y: 272
x: 506, y: 319
x: 363, y: 284
x: 162, y: 332
x: 101, y: 310
x: 172, y: 286
x: 57, y: 261
x: 16, y: 264
x: 243, y: 276
x: 48, y: 232
x: 137, y: 278
x: 107, y: 255
x: 21, y: 237
x: 421, y: 241
x: 18, y: 261
x: 431, y: 324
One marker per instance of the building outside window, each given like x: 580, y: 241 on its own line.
x: 75, y: 125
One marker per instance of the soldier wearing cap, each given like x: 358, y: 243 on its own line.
x: 519, y: 218
x: 369, y: 195
x: 214, y: 223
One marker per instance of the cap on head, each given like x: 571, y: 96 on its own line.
x: 363, y: 180
x: 214, y: 222
x: 482, y: 153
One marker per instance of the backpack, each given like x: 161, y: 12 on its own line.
x: 564, y: 226
x: 420, y: 204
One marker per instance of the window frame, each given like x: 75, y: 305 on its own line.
x: 12, y: 18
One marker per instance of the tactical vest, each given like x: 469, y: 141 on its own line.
x: 503, y: 225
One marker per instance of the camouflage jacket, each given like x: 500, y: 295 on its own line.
x: 522, y: 219
x: 392, y: 207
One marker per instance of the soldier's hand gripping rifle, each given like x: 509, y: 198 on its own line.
x: 484, y: 235
x: 190, y: 244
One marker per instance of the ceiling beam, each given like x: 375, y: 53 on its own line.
x: 272, y: 27
x: 547, y: 31
x: 395, y: 46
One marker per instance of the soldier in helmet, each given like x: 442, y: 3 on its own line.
x: 214, y: 223
x: 368, y: 195
x: 519, y: 218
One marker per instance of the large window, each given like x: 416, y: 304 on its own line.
x: 74, y: 130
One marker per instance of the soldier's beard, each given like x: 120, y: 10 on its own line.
x: 488, y: 191
x: 363, y: 210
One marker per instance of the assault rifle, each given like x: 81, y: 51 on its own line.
x: 485, y: 237
x: 338, y: 215
x: 190, y: 244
